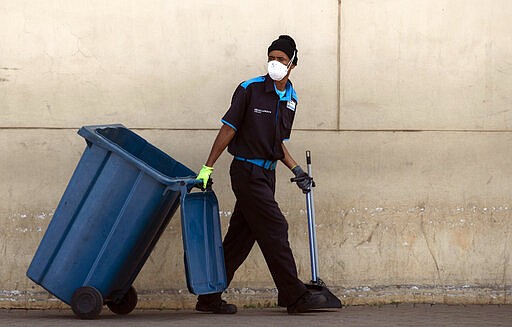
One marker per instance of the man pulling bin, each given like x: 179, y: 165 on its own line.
x: 259, y: 119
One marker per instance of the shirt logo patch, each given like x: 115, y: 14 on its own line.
x: 291, y: 105
x: 262, y: 111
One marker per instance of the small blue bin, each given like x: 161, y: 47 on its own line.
x: 117, y: 204
x: 202, y: 243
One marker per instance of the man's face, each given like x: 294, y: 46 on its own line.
x: 282, y: 58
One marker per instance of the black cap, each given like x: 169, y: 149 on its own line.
x: 286, y: 44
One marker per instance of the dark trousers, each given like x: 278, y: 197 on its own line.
x: 257, y: 218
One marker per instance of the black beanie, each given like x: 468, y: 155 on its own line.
x: 286, y: 44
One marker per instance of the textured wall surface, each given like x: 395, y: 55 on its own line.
x: 405, y: 107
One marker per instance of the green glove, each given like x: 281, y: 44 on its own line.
x: 204, y: 174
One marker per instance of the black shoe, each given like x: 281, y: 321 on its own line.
x: 307, y: 302
x: 223, y: 307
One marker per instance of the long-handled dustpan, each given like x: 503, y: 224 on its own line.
x: 316, y: 285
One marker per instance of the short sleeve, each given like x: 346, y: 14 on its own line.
x: 236, y: 112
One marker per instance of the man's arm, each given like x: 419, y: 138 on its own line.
x: 222, y: 140
x: 288, y: 160
x: 301, y: 178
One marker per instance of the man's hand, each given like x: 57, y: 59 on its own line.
x: 302, y: 179
x: 204, y: 175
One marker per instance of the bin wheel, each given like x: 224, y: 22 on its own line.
x: 87, y: 302
x: 126, y: 304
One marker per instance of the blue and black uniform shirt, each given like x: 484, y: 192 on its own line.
x: 261, y: 118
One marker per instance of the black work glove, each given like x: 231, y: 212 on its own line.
x: 304, y: 182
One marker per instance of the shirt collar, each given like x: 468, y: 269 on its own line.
x: 290, y: 92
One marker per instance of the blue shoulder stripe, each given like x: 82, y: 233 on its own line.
x: 253, y: 80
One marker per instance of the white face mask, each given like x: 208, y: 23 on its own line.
x: 277, y: 70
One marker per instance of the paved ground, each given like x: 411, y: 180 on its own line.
x: 389, y: 315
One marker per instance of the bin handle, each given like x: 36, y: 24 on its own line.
x: 183, y: 185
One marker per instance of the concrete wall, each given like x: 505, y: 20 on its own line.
x: 404, y: 105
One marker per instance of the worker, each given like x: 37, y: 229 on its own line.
x: 254, y: 128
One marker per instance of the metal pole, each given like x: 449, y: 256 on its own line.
x: 310, y: 206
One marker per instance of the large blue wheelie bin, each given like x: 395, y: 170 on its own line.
x: 120, y: 198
